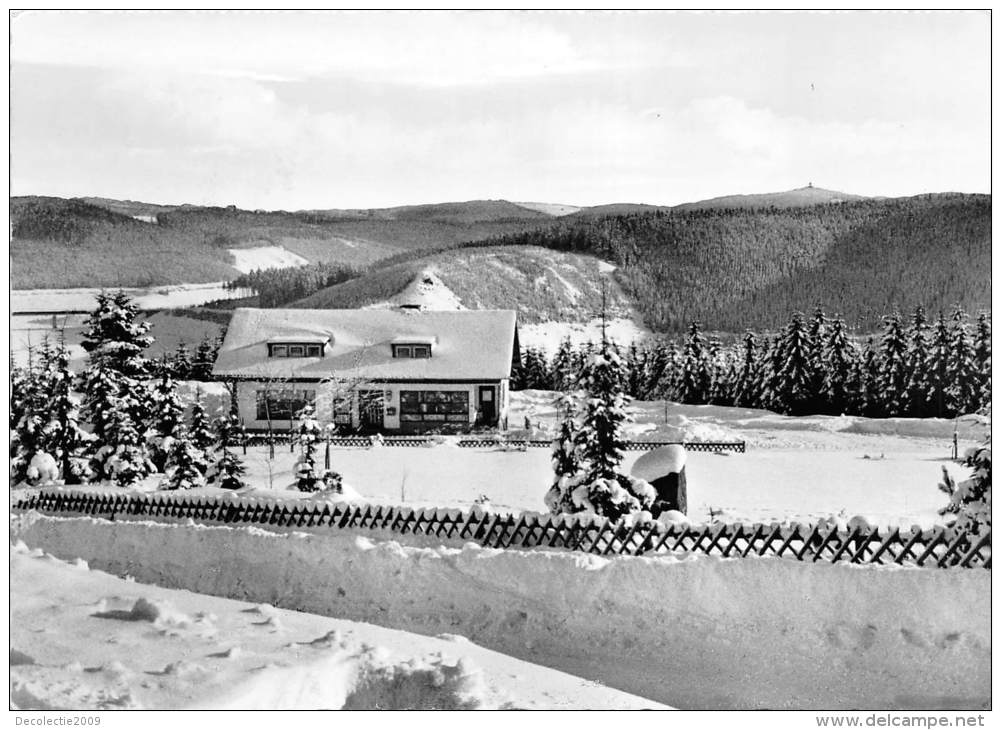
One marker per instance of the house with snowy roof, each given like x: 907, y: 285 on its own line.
x: 400, y: 370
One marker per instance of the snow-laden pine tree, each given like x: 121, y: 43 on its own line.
x: 114, y: 380
x: 565, y: 457
x: 937, y: 371
x: 635, y: 364
x: 667, y: 372
x: 166, y: 414
x: 564, y: 366
x: 746, y: 373
x: 982, y: 359
x: 970, y: 500
x: 893, y: 367
x: 791, y: 383
x: 839, y: 357
x: 963, y: 378
x: 227, y: 469
x: 916, y: 398
x: 695, y: 378
x: 307, y: 476
x: 66, y: 438
x: 866, y: 398
x: 122, y: 457
x: 816, y: 341
x: 186, y: 464
x: 29, y: 395
x: 203, y: 360
x: 600, y: 487
x: 201, y: 433
x: 182, y: 362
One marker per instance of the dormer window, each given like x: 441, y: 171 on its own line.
x: 413, y: 347
x: 411, y: 351
x: 296, y: 348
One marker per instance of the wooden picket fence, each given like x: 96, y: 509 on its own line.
x: 938, y: 547
x: 257, y: 438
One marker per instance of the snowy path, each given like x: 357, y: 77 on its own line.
x: 172, y: 649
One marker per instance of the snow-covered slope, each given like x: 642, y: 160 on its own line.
x: 246, y: 260
x: 84, y: 640
x: 693, y: 632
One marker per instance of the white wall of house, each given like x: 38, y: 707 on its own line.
x: 325, y: 392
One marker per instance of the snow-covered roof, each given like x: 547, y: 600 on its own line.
x: 468, y: 345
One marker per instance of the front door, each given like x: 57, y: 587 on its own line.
x: 488, y: 404
x: 370, y: 410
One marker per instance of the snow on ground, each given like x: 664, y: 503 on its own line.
x: 173, y: 649
x: 264, y: 257
x: 795, y: 469
x: 547, y: 336
x: 691, y: 631
x: 158, y: 297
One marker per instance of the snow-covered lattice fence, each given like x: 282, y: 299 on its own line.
x: 941, y: 547
x: 256, y: 438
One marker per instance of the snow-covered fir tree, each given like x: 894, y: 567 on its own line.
x: 307, y: 476
x: 227, y: 469
x: 182, y: 362
x: 937, y: 371
x: 203, y: 360
x: 167, y: 413
x: 866, y: 399
x: 816, y: 341
x: 745, y: 375
x: 893, y: 365
x: 695, y: 378
x: 115, y: 379
x: 962, y: 390
x: 791, y: 383
x: 66, y: 437
x: 600, y: 486
x: 982, y: 359
x: 970, y: 500
x: 564, y: 369
x: 201, y: 433
x: 916, y: 398
x: 566, y: 460
x: 186, y: 464
x: 122, y: 457
x: 839, y: 358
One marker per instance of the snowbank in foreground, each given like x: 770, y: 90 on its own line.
x: 696, y: 632
x: 82, y: 639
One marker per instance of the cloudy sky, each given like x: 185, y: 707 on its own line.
x: 324, y: 110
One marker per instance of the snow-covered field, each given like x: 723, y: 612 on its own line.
x: 689, y: 631
x: 264, y: 257
x: 158, y: 297
x: 173, y: 649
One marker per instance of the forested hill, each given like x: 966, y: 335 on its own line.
x: 735, y: 268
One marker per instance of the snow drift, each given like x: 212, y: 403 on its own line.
x: 693, y: 632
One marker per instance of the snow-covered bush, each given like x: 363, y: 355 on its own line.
x: 42, y: 470
x: 970, y: 500
x: 186, y: 464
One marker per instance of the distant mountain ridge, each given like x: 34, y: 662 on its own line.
x: 787, y: 199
